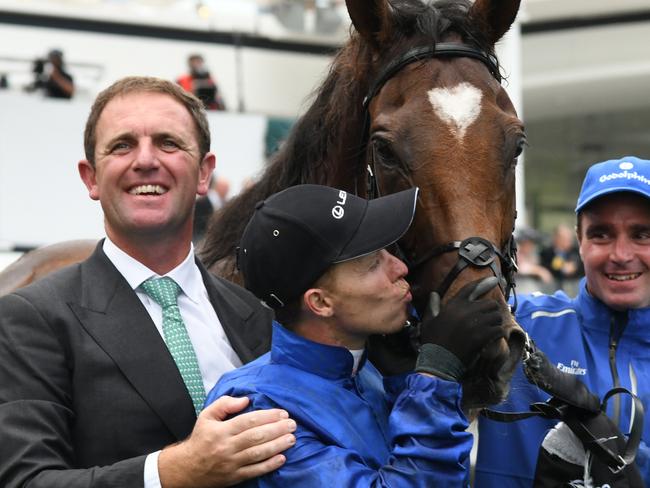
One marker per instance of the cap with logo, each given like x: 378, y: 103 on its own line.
x: 294, y: 236
x: 613, y: 176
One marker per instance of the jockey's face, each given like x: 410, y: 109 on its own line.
x: 369, y: 295
x: 147, y: 171
x: 615, y: 248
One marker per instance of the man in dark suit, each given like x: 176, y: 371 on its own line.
x: 93, y: 389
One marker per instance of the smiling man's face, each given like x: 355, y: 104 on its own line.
x: 614, y: 240
x: 148, y: 169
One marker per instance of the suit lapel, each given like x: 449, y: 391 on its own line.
x: 113, y: 315
x: 238, y: 319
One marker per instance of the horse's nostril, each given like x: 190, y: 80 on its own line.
x: 515, y: 336
x: 515, y: 340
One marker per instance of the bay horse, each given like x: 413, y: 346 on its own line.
x: 413, y: 99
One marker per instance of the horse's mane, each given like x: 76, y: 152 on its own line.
x: 325, y: 142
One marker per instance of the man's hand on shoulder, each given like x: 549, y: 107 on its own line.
x: 225, y: 452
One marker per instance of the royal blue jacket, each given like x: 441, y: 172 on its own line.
x: 353, y: 431
x: 578, y: 336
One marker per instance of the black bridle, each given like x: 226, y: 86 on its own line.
x: 476, y: 252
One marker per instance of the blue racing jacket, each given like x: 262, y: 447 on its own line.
x: 579, y: 336
x: 354, y: 430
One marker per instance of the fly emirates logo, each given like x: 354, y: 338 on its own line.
x: 573, y: 368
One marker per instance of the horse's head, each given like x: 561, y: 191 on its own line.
x: 439, y: 119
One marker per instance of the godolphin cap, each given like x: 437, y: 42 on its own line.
x: 616, y: 175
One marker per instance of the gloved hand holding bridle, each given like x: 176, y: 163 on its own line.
x: 452, y: 336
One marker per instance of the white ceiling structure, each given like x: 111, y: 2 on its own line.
x: 586, y: 95
x: 579, y: 56
x: 585, y: 69
x: 559, y: 9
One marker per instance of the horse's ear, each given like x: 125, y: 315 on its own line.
x: 496, y: 16
x: 369, y: 18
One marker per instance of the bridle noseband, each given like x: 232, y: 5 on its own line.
x: 479, y: 253
x: 473, y: 251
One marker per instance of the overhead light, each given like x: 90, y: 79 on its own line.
x: 203, y: 11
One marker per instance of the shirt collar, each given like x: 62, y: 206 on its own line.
x: 186, y: 274
x: 326, y: 361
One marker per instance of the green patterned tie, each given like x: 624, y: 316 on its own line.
x: 164, y: 291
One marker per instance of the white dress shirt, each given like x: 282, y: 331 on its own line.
x: 357, y: 354
x: 214, y: 353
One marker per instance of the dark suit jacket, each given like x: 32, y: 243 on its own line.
x: 88, y: 387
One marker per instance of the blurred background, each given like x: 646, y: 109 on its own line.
x: 578, y: 71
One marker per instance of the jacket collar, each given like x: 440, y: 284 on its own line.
x: 330, y: 362
x: 596, y: 315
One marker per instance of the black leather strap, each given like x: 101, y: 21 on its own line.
x: 615, y: 462
x: 573, y: 404
x: 441, y: 49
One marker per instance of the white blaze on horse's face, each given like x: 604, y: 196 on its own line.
x: 458, y: 107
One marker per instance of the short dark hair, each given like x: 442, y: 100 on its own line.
x: 292, y: 312
x: 147, y: 84
x: 579, y: 223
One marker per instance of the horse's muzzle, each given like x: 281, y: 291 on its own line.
x: 487, y: 382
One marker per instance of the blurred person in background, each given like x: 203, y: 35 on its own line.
x: 50, y: 75
x: 562, y: 259
x: 531, y: 276
x: 207, y: 204
x: 199, y: 82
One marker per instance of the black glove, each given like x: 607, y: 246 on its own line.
x: 452, y: 339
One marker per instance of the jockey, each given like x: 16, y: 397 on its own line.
x: 601, y: 336
x: 316, y: 255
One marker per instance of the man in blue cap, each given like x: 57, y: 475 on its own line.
x: 317, y: 256
x: 601, y: 336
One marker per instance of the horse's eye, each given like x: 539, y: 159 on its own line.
x: 521, y: 144
x: 382, y: 152
x: 519, y: 148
